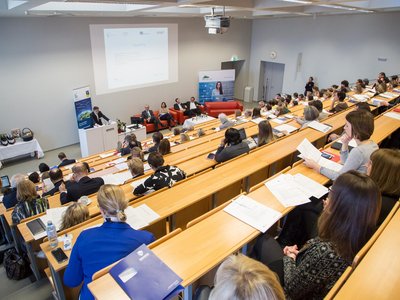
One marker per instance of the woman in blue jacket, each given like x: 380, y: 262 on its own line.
x: 99, y: 247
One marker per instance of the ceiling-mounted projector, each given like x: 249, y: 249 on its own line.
x: 217, y: 23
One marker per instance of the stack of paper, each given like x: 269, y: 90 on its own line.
x: 307, y: 150
x: 117, y: 178
x: 376, y: 101
x: 295, y: 190
x: 279, y: 120
x: 285, y: 127
x: 140, y: 216
x: 123, y: 166
x: 253, y: 213
x: 360, y: 98
x: 319, y: 126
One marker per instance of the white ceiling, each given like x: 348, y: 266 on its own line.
x: 250, y: 9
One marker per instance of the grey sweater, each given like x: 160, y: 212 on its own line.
x: 357, y: 160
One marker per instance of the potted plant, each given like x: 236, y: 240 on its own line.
x: 121, y: 126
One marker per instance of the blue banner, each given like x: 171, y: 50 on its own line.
x: 83, y: 107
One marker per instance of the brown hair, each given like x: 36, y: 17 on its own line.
x: 349, y: 219
x: 311, y: 113
x: 242, y: 278
x: 137, y: 152
x: 184, y: 137
x: 136, y: 166
x: 155, y: 159
x: 362, y: 124
x: 111, y: 199
x: 265, y: 134
x: 76, y: 213
x: 385, y: 170
x: 165, y: 147
x: 26, y: 190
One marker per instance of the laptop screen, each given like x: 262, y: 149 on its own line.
x: 242, y: 133
x: 5, y: 181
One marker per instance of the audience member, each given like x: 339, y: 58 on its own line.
x: 225, y: 122
x: 319, y: 106
x: 200, y: 132
x: 56, y: 177
x: 136, y: 152
x: 265, y: 134
x: 75, y: 214
x: 97, y: 248
x: 310, y: 114
x: 164, y: 176
x: 242, y: 278
x: 80, y: 184
x: 149, y: 116
x: 344, y: 86
x: 10, y: 196
x: 345, y: 225
x: 136, y: 167
x: 177, y: 131
x: 157, y: 137
x: 384, y: 169
x: 256, y: 113
x: 34, y: 177
x: 359, y: 126
x: 165, y: 147
x: 231, y: 146
x: 338, y: 97
x: 29, y: 203
x: 64, y: 160
x: 184, y: 138
x: 43, y: 168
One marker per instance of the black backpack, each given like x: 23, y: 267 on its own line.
x: 17, y: 266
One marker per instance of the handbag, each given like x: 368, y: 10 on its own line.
x: 17, y: 266
x: 26, y: 134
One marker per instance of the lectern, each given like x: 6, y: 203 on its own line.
x: 98, y: 139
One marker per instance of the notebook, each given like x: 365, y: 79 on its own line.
x: 142, y: 275
x: 36, y: 226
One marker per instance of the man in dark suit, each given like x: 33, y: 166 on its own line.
x: 56, y: 177
x: 96, y: 116
x: 181, y: 107
x: 80, y: 184
x: 149, y: 116
x: 64, y: 160
x: 194, y: 107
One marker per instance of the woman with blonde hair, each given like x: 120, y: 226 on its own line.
x: 185, y: 138
x: 136, y: 167
x: 136, y: 152
x: 75, y: 214
x: 242, y: 278
x: 265, y: 134
x: 98, y: 247
x: 29, y: 203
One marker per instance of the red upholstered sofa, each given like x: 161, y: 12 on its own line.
x: 150, y: 126
x: 213, y: 109
x: 181, y: 117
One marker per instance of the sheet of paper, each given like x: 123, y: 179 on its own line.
x: 285, y: 127
x: 279, y: 120
x: 393, y: 115
x: 119, y: 160
x: 319, y: 126
x: 287, y: 191
x: 106, y: 155
x: 257, y: 120
x: 55, y: 215
x: 146, y: 156
x: 146, y: 167
x: 123, y: 176
x: 308, y: 185
x: 253, y: 213
x: 110, y: 179
x: 387, y: 95
x: 308, y: 150
x: 123, y: 166
x: 140, y: 216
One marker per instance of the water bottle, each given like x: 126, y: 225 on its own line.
x: 52, y: 234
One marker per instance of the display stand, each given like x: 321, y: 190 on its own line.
x: 98, y: 139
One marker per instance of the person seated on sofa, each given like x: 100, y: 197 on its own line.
x: 181, y: 107
x: 194, y: 107
x: 149, y: 116
x: 231, y: 146
x: 165, y: 115
x: 225, y: 122
x: 163, y: 176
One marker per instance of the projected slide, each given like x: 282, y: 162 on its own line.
x: 136, y: 56
x: 133, y: 56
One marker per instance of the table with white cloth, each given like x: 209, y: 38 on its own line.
x: 197, y: 120
x: 20, y: 148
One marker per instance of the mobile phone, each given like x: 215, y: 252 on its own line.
x: 59, y: 255
x: 326, y: 155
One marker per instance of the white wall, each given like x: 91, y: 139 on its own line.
x: 43, y: 59
x: 333, y: 47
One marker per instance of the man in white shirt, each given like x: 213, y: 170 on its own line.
x: 181, y: 107
x: 194, y: 107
